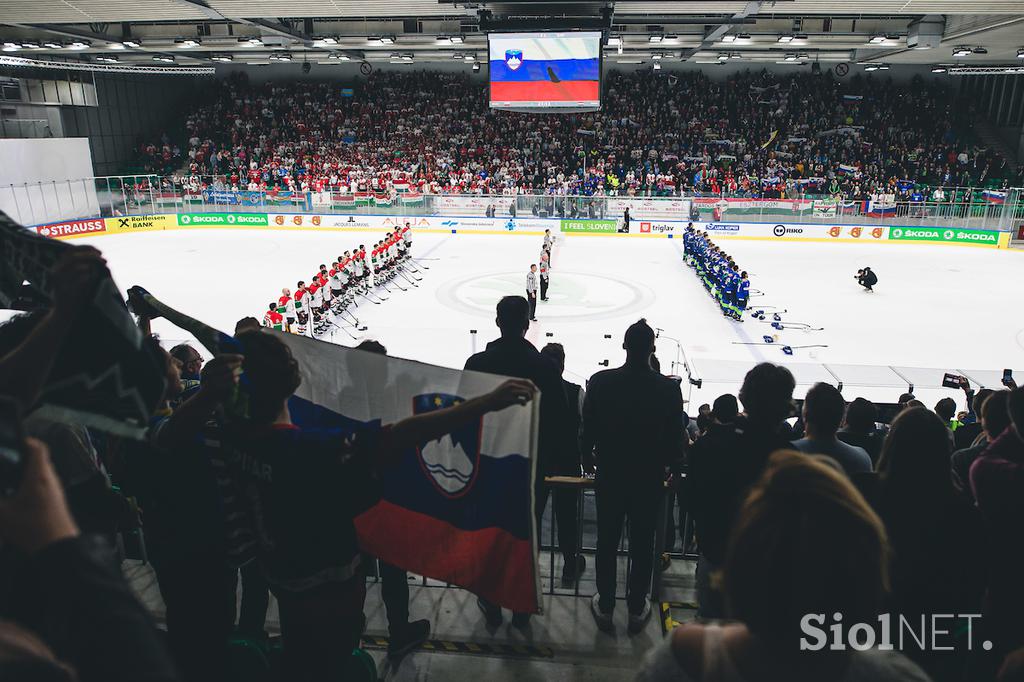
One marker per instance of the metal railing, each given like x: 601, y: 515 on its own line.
x: 37, y: 203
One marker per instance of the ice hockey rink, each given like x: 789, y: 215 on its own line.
x: 935, y: 309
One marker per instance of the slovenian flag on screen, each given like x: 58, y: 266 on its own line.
x: 545, y: 69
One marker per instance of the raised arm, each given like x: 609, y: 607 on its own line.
x: 423, y: 428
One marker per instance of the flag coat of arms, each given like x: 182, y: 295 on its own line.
x: 457, y: 509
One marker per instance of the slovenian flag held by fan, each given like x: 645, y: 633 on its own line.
x: 994, y: 196
x: 458, y: 509
x: 536, y: 69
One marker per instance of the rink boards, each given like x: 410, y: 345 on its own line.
x: 750, y: 231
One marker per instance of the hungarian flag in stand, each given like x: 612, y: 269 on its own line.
x: 525, y: 69
x: 458, y: 509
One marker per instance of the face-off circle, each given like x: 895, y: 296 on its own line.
x: 573, y: 297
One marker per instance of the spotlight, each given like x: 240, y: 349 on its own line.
x: 133, y: 44
x: 108, y: 58
x: 614, y: 41
x: 656, y: 38
x: 187, y: 43
x: 729, y: 38
x: 456, y: 40
x: 250, y: 42
x: 657, y: 66
x: 877, y: 40
x: 163, y: 58
x: 785, y: 38
x: 221, y: 57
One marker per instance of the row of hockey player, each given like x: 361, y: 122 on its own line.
x: 723, y: 279
x: 332, y: 290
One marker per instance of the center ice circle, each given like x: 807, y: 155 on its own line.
x: 573, y: 296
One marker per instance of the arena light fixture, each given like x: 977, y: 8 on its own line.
x: 187, y: 43
x: 476, y: 66
x: 456, y: 40
x: 108, y: 58
x: 961, y: 51
x: 469, y: 57
x: 166, y: 58
x: 1020, y: 53
x: 53, y: 44
x: 656, y: 56
x: 657, y: 66
x: 129, y: 43
x: 386, y: 40
x: 116, y: 46
x: 656, y: 37
x: 11, y: 47
x: 13, y: 60
x: 30, y: 44
x: 743, y: 38
x: 250, y: 42
x: 325, y: 41
x: 979, y: 50
x: 618, y: 49
x: 790, y: 57
x: 281, y: 57
x: 892, y: 37
x: 221, y: 58
x: 78, y: 45
x: 938, y: 69
x: 800, y: 38
x: 729, y: 38
x: 785, y: 38
x: 723, y: 57
x: 876, y: 40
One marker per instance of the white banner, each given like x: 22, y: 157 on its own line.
x: 645, y: 208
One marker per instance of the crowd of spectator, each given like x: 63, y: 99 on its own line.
x: 753, y: 134
x: 818, y: 511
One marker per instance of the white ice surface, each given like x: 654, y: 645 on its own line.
x: 935, y: 308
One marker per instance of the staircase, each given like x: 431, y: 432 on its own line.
x: 995, y: 138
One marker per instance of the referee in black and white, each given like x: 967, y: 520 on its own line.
x: 531, y: 291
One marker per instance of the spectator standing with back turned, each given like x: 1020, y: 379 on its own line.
x: 725, y: 463
x: 512, y: 355
x: 631, y: 424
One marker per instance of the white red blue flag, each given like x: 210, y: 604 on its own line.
x: 458, y: 509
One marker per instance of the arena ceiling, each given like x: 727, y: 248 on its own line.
x: 795, y: 32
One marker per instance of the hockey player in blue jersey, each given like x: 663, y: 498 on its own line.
x: 742, y: 295
x: 728, y: 291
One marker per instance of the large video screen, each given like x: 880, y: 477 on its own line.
x: 545, y: 72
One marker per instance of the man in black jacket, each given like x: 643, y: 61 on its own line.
x: 867, y: 278
x: 513, y: 356
x: 632, y: 423
x: 725, y: 462
x: 566, y: 500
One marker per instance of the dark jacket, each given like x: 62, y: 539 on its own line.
x: 517, y: 357
x: 632, y: 422
x: 723, y: 465
x: 871, y: 442
x: 82, y: 608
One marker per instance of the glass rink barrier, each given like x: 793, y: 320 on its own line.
x: 114, y: 196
